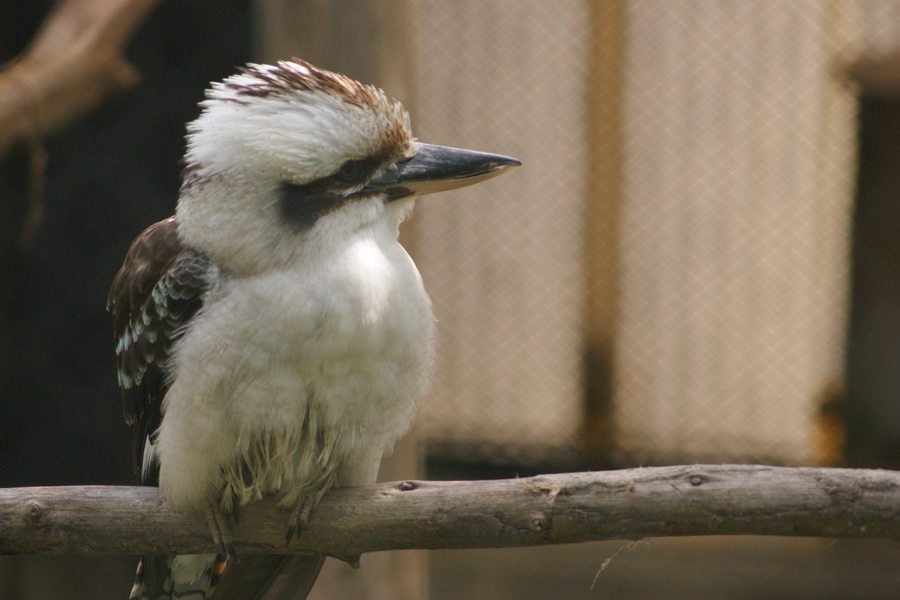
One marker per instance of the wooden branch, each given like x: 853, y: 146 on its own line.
x: 548, y: 509
x: 73, y: 65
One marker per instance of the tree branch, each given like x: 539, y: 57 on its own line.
x: 548, y: 509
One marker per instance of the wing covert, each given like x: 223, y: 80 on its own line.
x: 159, y: 288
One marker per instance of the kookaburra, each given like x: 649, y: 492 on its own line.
x: 273, y: 337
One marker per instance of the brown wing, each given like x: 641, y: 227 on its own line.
x: 159, y: 288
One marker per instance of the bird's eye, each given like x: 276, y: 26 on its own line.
x: 351, y: 171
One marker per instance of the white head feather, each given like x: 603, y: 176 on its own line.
x: 267, y: 126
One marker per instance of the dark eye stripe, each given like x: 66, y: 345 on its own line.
x: 301, y: 205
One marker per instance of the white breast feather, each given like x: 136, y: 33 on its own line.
x: 290, y: 375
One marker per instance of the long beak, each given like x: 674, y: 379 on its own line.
x: 439, y: 168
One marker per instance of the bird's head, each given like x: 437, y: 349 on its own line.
x: 285, y: 159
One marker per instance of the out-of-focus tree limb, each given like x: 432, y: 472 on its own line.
x: 73, y: 65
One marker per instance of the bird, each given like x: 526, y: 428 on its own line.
x: 273, y: 337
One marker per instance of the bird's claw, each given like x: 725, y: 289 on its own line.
x: 220, y: 528
x: 299, y: 516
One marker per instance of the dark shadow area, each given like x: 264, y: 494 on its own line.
x: 108, y: 176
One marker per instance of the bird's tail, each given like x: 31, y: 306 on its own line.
x: 253, y: 577
x: 268, y: 577
x: 158, y: 578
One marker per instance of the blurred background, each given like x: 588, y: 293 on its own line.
x: 698, y: 262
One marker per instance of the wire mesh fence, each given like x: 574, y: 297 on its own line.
x: 680, y: 228
x: 503, y: 260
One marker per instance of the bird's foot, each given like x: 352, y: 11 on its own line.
x: 220, y: 528
x: 300, y: 516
